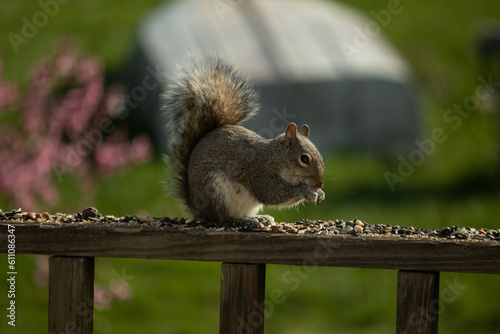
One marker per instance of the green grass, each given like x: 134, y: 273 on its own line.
x: 457, y: 185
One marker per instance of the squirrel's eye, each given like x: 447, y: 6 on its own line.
x: 304, y: 158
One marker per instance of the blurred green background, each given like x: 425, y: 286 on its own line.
x: 457, y: 185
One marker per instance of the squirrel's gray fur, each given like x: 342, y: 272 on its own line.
x: 223, y: 171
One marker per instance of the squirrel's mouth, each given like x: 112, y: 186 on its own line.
x: 317, y: 184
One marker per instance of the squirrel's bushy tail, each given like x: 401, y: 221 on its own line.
x: 207, y: 96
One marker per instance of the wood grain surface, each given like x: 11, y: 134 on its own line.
x: 417, y: 254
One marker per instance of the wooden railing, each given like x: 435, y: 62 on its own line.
x: 244, y: 256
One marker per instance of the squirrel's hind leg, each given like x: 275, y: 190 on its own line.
x: 264, y: 219
x: 253, y: 223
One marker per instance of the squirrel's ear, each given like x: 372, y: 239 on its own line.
x: 305, y: 130
x: 290, y: 134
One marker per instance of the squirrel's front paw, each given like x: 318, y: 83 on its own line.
x: 315, y: 196
x: 311, y: 195
x: 321, y: 196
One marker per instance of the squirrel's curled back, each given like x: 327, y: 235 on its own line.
x: 224, y: 171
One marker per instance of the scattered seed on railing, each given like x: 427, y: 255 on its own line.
x: 354, y: 227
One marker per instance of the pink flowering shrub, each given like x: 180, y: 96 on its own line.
x: 63, y: 122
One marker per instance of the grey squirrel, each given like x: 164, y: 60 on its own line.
x: 225, y: 172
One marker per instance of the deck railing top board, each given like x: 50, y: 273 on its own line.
x: 271, y: 244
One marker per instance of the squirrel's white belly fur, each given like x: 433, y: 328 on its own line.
x: 237, y: 199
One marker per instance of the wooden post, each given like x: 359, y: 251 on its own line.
x: 242, y: 298
x: 418, y: 302
x: 71, y: 294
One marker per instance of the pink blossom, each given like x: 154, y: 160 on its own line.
x: 102, y: 297
x: 61, y: 117
x: 9, y: 93
x: 140, y: 149
x: 121, y: 290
